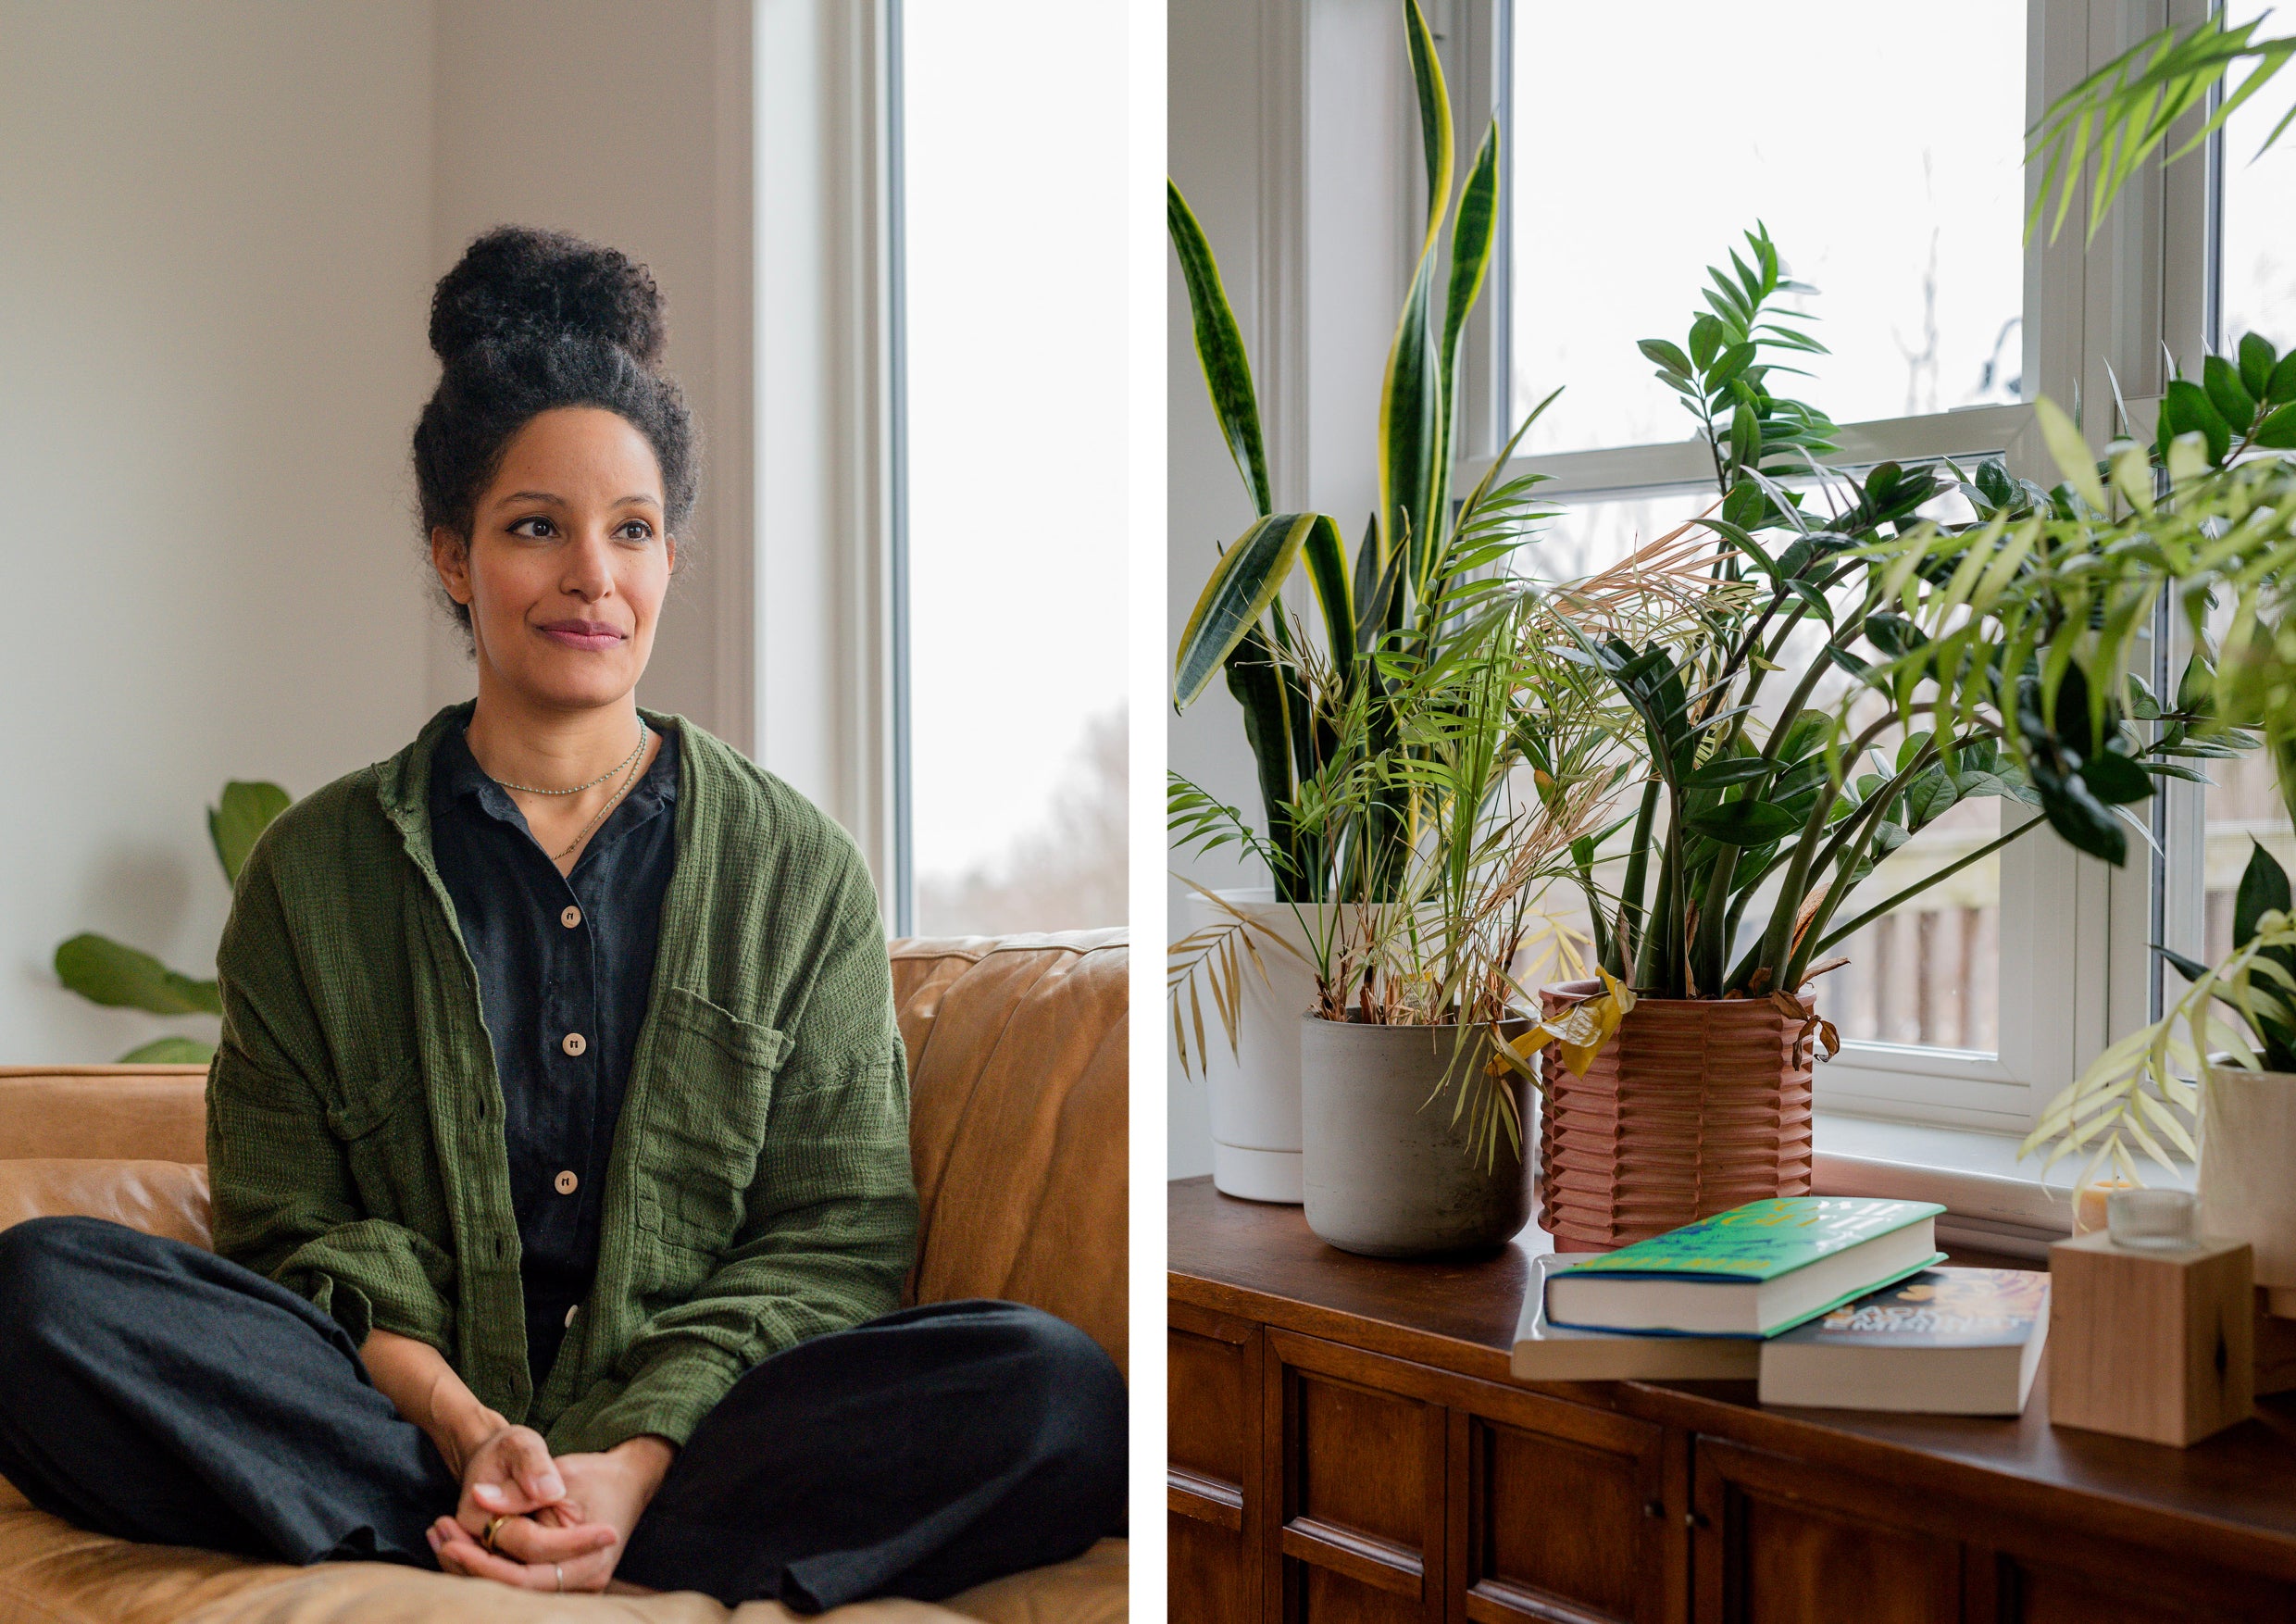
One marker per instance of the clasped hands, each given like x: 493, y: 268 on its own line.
x: 559, y: 1524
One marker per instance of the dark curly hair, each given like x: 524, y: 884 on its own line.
x: 528, y: 321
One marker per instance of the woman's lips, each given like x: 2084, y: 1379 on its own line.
x: 585, y: 635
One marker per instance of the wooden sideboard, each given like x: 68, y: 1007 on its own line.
x: 1347, y: 1447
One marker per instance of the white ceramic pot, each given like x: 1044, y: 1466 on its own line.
x: 1388, y: 1168
x: 1255, y: 1092
x: 2247, y: 1183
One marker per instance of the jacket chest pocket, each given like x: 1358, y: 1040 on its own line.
x: 384, y: 1127
x: 709, y: 1101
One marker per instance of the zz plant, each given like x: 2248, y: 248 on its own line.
x: 1762, y: 814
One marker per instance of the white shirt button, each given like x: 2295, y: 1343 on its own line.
x: 569, y: 1315
x: 573, y: 1043
x: 572, y: 918
x: 564, y: 1183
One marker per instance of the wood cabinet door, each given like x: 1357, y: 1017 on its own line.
x: 1355, y: 1484
x: 1787, y: 1542
x: 1213, y: 1474
x: 1566, y: 1513
x: 2074, y: 1586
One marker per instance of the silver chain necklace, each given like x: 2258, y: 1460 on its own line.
x: 611, y: 801
x: 593, y: 783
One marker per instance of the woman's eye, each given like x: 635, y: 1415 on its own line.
x: 637, y: 530
x: 537, y: 527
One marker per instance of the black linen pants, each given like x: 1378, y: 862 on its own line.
x: 157, y: 1392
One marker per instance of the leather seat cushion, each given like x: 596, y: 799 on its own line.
x: 53, y: 1573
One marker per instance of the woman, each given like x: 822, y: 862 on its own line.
x: 559, y: 1131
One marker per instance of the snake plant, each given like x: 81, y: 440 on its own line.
x: 1291, y: 687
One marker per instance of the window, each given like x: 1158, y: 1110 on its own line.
x: 1908, y: 223
x: 1010, y: 622
x: 1901, y: 198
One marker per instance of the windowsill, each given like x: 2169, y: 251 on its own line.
x: 1994, y: 1200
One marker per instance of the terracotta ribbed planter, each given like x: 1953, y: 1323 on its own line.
x: 1695, y: 1106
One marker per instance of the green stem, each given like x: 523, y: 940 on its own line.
x: 1712, y: 917
x: 1871, y: 817
x: 1844, y: 932
x: 1798, y: 961
x: 1647, y: 955
x: 1626, y: 950
x: 1777, y: 937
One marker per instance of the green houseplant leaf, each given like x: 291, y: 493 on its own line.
x: 120, y: 977
x: 2123, y: 113
x: 2264, y: 889
x: 1244, y: 583
x: 1219, y: 349
x: 1472, y: 235
x: 246, y: 811
x: 170, y: 1052
x: 1410, y: 408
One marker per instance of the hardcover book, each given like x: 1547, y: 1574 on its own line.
x: 1545, y: 1352
x: 1754, y: 1270
x: 1953, y: 1342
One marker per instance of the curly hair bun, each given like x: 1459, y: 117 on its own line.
x: 518, y: 280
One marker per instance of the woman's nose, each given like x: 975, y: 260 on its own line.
x: 588, y: 570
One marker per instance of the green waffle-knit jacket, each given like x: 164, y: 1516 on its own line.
x: 759, y: 1191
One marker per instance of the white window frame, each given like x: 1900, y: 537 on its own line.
x: 2074, y: 932
x: 823, y: 666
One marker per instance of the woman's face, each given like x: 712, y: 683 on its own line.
x: 568, y: 562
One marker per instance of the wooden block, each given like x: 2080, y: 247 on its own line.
x: 2276, y: 1349
x: 2158, y: 1346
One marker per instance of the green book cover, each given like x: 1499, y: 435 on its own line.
x: 1763, y: 1239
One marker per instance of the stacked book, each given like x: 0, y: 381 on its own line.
x: 1829, y: 1301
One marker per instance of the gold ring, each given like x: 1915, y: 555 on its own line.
x: 560, y: 1572
x: 493, y: 1522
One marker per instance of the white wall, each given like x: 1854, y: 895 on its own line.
x: 1289, y: 133
x: 625, y: 121
x: 219, y: 221
x: 1215, y: 72
x: 216, y: 269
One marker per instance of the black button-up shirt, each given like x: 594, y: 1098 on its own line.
x: 565, y: 970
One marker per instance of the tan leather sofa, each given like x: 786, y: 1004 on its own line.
x: 1017, y: 1058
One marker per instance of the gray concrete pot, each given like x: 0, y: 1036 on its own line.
x: 1385, y: 1170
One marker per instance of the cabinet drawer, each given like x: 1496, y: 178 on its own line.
x: 1214, y: 1471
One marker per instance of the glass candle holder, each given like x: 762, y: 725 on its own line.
x: 2153, y: 1220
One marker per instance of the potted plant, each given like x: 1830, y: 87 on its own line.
x: 1246, y: 955
x: 2203, y: 517
x: 1678, y: 1084
x: 1459, y: 777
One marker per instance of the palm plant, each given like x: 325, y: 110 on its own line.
x: 1291, y: 685
x: 120, y: 977
x: 1463, y: 776
x: 2125, y: 112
